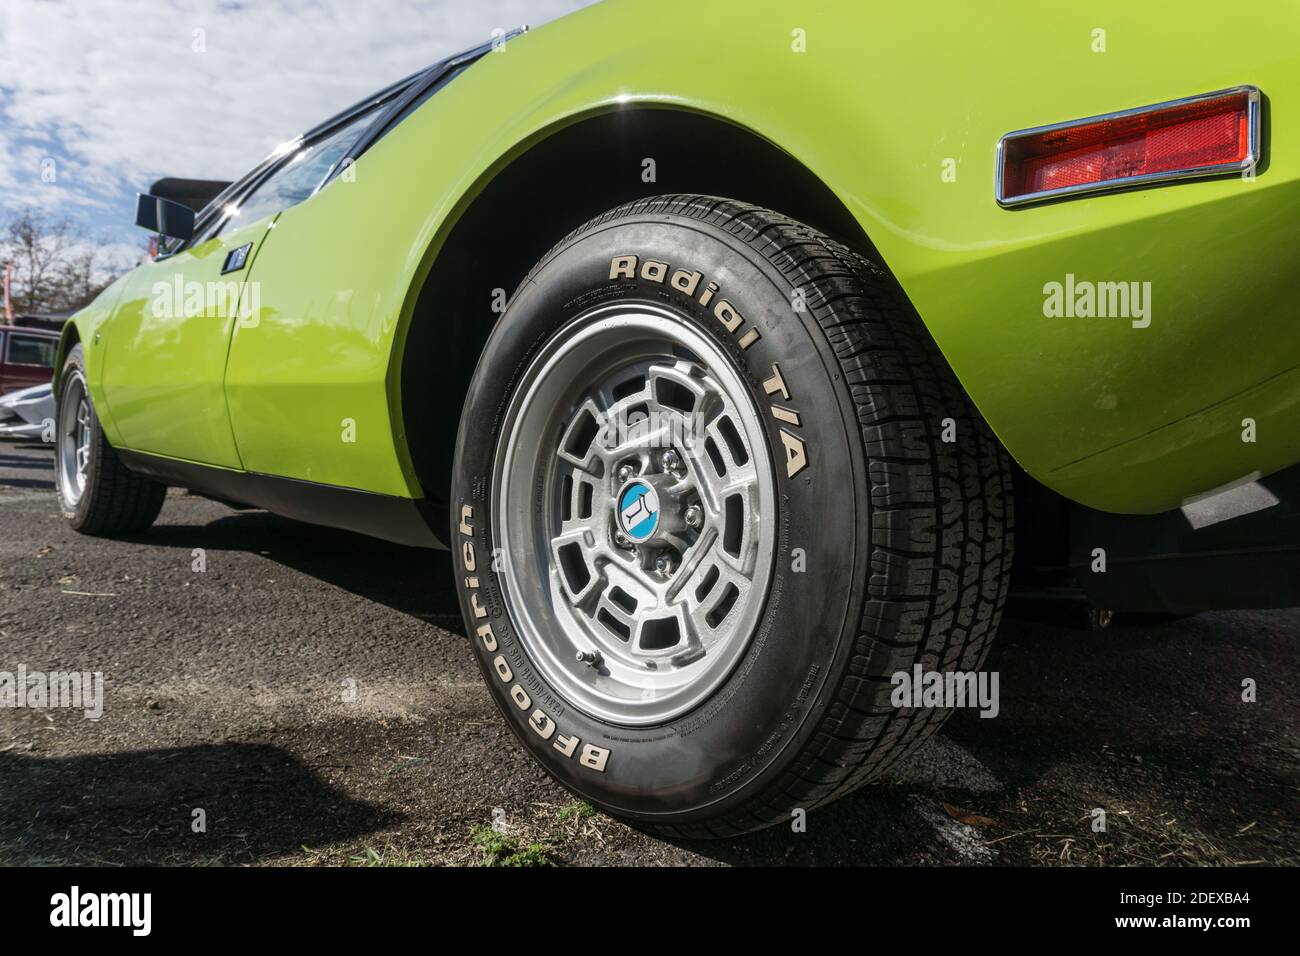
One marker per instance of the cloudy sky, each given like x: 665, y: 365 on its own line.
x: 98, y: 98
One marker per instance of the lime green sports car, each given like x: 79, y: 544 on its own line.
x: 720, y: 343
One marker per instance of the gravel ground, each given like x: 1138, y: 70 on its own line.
x: 311, y: 693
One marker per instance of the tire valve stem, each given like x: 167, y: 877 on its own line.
x: 664, y: 564
x: 694, y: 516
x: 590, y: 658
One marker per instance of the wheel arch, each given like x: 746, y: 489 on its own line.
x: 68, y: 338
x: 520, y: 208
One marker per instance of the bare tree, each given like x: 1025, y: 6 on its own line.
x: 80, y: 279
x: 51, y: 273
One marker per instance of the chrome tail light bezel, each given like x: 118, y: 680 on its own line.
x: 1253, y: 99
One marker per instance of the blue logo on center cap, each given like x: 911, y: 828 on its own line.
x: 638, y: 511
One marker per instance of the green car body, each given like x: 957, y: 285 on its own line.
x: 896, y: 111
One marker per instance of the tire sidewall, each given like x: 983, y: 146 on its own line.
x: 715, y: 756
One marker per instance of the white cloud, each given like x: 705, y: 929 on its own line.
x: 119, y: 92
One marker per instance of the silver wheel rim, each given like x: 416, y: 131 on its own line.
x: 74, y: 440
x: 635, y: 614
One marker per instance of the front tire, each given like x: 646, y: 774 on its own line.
x: 872, y: 530
x: 97, y: 493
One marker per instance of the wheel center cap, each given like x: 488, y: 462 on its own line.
x: 638, y: 510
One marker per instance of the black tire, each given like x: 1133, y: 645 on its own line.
x: 115, y: 499
x: 907, y: 538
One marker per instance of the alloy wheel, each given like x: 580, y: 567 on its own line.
x: 634, y: 518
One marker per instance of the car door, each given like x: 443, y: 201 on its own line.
x: 274, y: 349
x: 311, y: 378
x: 166, y: 359
x: 165, y: 355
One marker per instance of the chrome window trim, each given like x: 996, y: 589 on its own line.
x: 1217, y: 169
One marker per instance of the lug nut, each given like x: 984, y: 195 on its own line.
x: 621, y: 540
x: 590, y: 658
x: 624, y: 473
x: 670, y: 460
x: 694, y: 516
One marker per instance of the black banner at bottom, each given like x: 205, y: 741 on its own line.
x: 337, y: 905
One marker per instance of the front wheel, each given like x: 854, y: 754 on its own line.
x: 98, y: 494
x: 714, y: 486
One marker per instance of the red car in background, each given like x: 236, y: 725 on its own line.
x: 26, y: 357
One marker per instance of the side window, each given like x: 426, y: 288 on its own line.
x: 297, y: 178
x: 31, y: 350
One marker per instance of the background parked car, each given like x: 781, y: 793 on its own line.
x: 26, y: 357
x: 25, y: 413
x: 50, y: 321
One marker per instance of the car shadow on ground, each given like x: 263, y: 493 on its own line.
x: 26, y: 457
x: 138, y: 807
x: 414, y: 581
x: 1145, y: 722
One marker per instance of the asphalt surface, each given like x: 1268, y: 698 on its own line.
x: 311, y: 692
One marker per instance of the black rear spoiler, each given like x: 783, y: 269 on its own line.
x: 195, y: 193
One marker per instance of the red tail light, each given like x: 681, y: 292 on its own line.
x: 1199, y: 136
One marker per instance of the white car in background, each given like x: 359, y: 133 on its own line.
x: 28, y: 413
